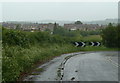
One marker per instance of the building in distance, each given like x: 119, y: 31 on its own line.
x: 50, y: 26
x: 29, y: 26
x: 84, y: 27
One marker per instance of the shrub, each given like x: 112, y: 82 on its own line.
x: 15, y: 37
x: 10, y: 69
x: 110, y: 36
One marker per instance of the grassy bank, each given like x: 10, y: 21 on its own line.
x: 17, y: 60
x: 99, y: 48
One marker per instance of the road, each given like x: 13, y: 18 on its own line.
x: 80, y: 66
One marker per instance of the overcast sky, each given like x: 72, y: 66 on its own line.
x: 35, y: 11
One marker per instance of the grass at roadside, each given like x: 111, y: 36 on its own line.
x: 99, y: 48
x: 21, y: 60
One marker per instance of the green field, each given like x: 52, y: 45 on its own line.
x: 92, y: 38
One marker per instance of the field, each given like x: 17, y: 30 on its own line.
x: 92, y: 38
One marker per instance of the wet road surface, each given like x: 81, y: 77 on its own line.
x: 80, y: 66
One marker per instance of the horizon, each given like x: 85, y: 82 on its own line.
x: 57, y: 20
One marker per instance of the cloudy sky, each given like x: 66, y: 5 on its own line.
x: 67, y: 11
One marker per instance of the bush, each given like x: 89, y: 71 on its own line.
x: 110, y: 36
x: 10, y: 67
x: 15, y: 37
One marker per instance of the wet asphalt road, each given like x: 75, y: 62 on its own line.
x: 80, y: 66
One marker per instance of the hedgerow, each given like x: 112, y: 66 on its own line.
x: 14, y: 38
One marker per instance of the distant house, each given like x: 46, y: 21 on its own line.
x: 43, y: 27
x: 82, y: 26
x: 9, y: 25
x: 29, y: 26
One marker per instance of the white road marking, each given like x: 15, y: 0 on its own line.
x: 113, y: 62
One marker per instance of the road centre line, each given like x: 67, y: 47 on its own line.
x: 112, y: 62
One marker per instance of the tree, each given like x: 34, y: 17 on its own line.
x: 18, y: 26
x: 110, y: 36
x: 78, y: 22
x: 55, y: 28
x: 47, y: 30
x: 118, y: 35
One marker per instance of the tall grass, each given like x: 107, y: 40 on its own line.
x: 17, y: 59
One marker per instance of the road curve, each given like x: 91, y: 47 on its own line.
x: 80, y: 66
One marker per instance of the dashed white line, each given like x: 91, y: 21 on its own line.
x: 113, y: 62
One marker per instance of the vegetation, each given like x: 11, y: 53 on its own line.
x: 78, y: 22
x: 87, y: 33
x: 0, y: 54
x: 93, y: 38
x: 22, y: 50
x: 17, y: 60
x: 15, y: 37
x: 111, y: 36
